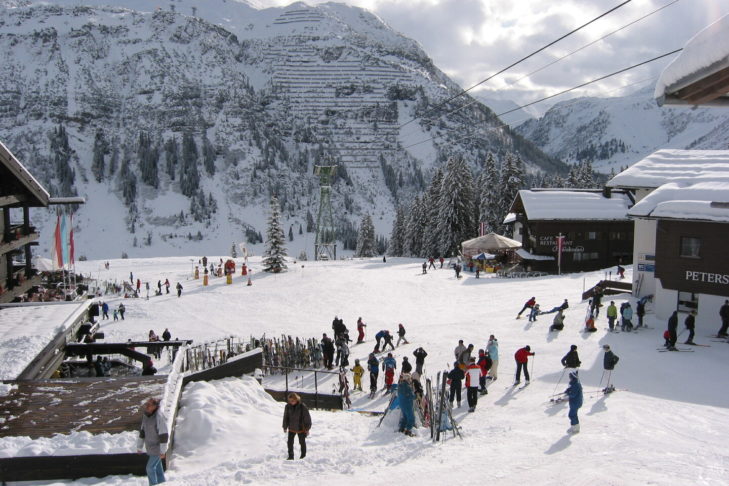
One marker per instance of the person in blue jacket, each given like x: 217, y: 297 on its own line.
x: 406, y: 396
x: 574, y: 393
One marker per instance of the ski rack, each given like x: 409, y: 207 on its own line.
x: 444, y: 408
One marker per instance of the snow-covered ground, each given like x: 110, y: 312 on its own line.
x: 666, y: 425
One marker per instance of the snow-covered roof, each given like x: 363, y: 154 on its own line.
x: 23, y: 176
x: 670, y: 165
x: 705, y: 201
x: 525, y: 255
x: 572, y: 205
x: 705, y: 54
x: 510, y: 218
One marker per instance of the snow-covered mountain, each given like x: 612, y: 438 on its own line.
x: 177, y: 121
x: 617, y: 132
x: 498, y: 106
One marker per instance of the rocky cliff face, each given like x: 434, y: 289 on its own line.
x: 177, y: 124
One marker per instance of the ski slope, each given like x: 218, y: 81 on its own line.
x: 666, y: 425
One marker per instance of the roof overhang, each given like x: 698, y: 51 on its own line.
x: 708, y: 87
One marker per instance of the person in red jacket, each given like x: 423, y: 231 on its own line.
x: 527, y: 305
x: 473, y: 379
x: 522, y: 359
x: 361, y: 330
x: 484, y: 362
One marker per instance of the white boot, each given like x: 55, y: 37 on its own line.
x: 575, y: 429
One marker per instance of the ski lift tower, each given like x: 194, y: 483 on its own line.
x: 325, y: 246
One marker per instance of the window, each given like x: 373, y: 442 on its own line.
x: 585, y: 256
x: 687, y: 301
x: 690, y: 247
x: 592, y: 235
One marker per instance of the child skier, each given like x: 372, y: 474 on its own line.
x: 360, y: 330
x: 574, y: 392
x: 609, y: 361
x: 373, y: 365
x: 400, y: 335
x: 358, y: 371
x: 484, y: 362
x: 388, y: 366
x: 534, y: 313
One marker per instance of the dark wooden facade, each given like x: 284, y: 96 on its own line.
x: 707, y: 273
x: 589, y: 245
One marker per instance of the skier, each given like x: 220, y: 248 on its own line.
x: 420, y: 356
x: 357, y: 371
x: 608, y: 362
x: 296, y: 421
x: 131, y: 278
x: 557, y: 322
x: 406, y: 396
x: 724, y: 314
x: 473, y: 380
x: 484, y: 362
x: 167, y: 285
x: 159, y: 287
x: 493, y: 349
x: 640, y: 312
x: 431, y: 263
x: 388, y: 340
x: 455, y: 378
x: 146, y: 284
x: 441, y: 260
x: 116, y: 315
x: 529, y: 304
x: 458, y: 269
x: 105, y: 310
x: 388, y: 366
x: 373, y: 365
x: 459, y: 349
x: 179, y: 289
x: 401, y: 335
x: 571, y: 359
x: 626, y: 315
x: 327, y: 348
x: 122, y: 310
x: 672, y: 330
x: 690, y: 324
x: 522, y: 360
x: 534, y: 313
x: 574, y: 392
x: 153, y: 436
x: 425, y: 268
x: 405, y: 366
x: 204, y: 261
x: 621, y: 271
x: 590, y: 324
x: 360, y: 330
x: 562, y: 307
x: 378, y: 337
x: 612, y: 314
x: 139, y: 286
x: 596, y: 302
x: 343, y: 353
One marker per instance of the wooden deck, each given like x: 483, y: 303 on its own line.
x: 44, y: 408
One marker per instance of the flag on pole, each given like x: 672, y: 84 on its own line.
x: 65, y: 250
x: 71, y: 245
x: 56, y: 252
x: 560, y: 244
x: 481, y: 228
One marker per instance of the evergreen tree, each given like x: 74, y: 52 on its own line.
x: 573, y: 180
x: 275, y: 252
x: 488, y: 194
x: 431, y: 203
x: 457, y: 209
x: 397, y: 237
x: 127, y: 181
x: 208, y: 156
x: 366, y: 244
x: 189, y: 175
x: 113, y: 161
x: 171, y: 157
x: 291, y: 233
x: 416, y: 221
x: 310, y: 227
x: 512, y: 179
x: 148, y: 157
x: 100, y: 149
x: 62, y: 153
x: 585, y: 175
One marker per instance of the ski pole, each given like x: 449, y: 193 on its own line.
x: 533, y: 359
x: 558, y: 381
x: 601, y: 377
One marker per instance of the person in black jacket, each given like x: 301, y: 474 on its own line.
x: 571, y: 359
x: 327, y: 351
x: 640, y: 312
x: 724, y: 314
x: 296, y: 421
x: 420, y: 356
x: 672, y: 330
x: 455, y: 378
x: 406, y: 367
x: 690, y: 324
x: 608, y: 362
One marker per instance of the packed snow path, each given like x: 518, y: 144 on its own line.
x: 667, y: 425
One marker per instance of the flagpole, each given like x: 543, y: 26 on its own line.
x: 559, y: 254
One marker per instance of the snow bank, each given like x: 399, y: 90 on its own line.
x: 704, y: 54
x: 679, y: 201
x: 678, y: 166
x: 76, y: 443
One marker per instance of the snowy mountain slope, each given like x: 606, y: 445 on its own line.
x: 254, y: 97
x: 666, y: 425
x: 616, y: 132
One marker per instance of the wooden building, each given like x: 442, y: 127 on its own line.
x: 19, y: 191
x: 597, y: 230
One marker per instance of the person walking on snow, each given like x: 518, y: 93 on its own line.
x: 522, y: 360
x: 431, y: 263
x: 327, y: 349
x: 455, y: 379
x: 401, y: 335
x: 473, y: 380
x: 420, y: 356
x: 612, y: 314
x: 153, y: 437
x: 574, y: 393
x: 690, y: 324
x: 179, y: 289
x: 105, y: 310
x: 640, y: 312
x: 529, y: 304
x: 167, y: 285
x: 139, y: 286
x: 405, y: 366
x: 484, y: 362
x: 357, y: 372
x: 388, y: 366
x: 571, y: 359
x: 425, y: 268
x: 360, y: 330
x: 122, y: 310
x: 459, y: 349
x: 493, y: 349
x: 406, y: 397
x: 373, y: 365
x: 673, y: 330
x: 159, y: 287
x: 296, y: 421
x: 465, y: 357
x: 627, y: 316
x: 724, y: 314
x: 608, y: 363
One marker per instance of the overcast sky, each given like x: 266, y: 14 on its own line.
x: 471, y: 39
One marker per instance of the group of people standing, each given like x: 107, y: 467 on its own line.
x: 476, y: 371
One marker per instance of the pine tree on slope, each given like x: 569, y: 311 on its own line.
x: 488, y: 194
x: 431, y: 206
x: 456, y: 212
x: 366, y: 244
x: 274, y: 255
x: 416, y: 221
x: 512, y: 179
x: 397, y: 237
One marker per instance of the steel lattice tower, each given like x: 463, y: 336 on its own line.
x: 325, y: 246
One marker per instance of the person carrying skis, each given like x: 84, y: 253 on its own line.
x: 626, y: 316
x: 522, y: 360
x: 724, y: 314
x: 492, y: 348
x: 388, y: 366
x: 401, y: 335
x: 296, y: 422
x: 406, y: 397
x: 608, y: 363
x: 672, y: 330
x: 690, y: 324
x: 529, y: 304
x: 405, y: 366
x: 420, y: 356
x: 179, y: 289
x: 574, y: 392
x: 484, y: 362
x: 473, y: 379
x: 612, y: 314
x: 557, y: 322
x: 153, y: 437
x: 357, y: 373
x: 534, y: 313
x: 373, y: 365
x: 327, y: 350
x: 571, y: 359
x: 455, y: 378
x: 360, y: 330
x: 640, y: 312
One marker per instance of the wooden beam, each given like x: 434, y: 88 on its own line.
x: 706, y: 89
x: 11, y: 199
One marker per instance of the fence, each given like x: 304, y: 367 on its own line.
x: 319, y: 400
